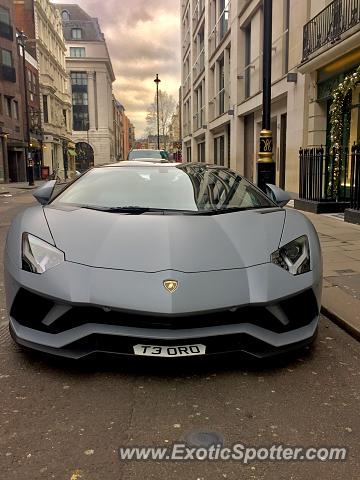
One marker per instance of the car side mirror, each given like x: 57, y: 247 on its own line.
x: 43, y: 193
x: 278, y: 195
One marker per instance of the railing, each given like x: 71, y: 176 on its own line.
x: 330, y: 24
x: 187, y: 84
x: 186, y: 41
x: 186, y: 129
x: 355, y: 178
x: 220, y: 28
x: 199, y: 64
x: 198, y: 11
x: 219, y: 104
x: 199, y: 118
x: 322, y: 179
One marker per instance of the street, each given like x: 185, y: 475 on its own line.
x: 66, y: 420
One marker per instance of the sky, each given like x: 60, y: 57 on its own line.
x: 143, y: 38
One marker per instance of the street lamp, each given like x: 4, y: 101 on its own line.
x: 157, y: 81
x: 22, y: 38
x: 266, y: 164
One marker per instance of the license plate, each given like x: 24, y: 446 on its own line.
x: 173, y: 351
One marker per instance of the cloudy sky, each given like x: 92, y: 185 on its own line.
x: 143, y: 38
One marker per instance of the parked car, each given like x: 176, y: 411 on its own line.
x: 162, y: 260
x: 148, y: 154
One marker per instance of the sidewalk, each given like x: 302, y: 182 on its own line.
x: 340, y: 242
x: 9, y: 188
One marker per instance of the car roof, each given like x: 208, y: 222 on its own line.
x: 146, y: 150
x: 141, y: 161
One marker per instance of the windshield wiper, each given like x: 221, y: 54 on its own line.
x: 219, y: 211
x: 126, y: 209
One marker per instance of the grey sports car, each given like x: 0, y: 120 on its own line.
x: 162, y: 260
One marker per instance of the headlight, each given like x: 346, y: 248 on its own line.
x: 39, y: 256
x: 294, y: 256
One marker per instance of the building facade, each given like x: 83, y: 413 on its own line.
x: 41, y: 22
x: 91, y: 77
x: 119, y: 113
x: 12, y: 144
x: 131, y: 136
x: 221, y: 104
x: 174, y: 135
x: 32, y: 114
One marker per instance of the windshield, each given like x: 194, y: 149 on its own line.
x: 148, y: 154
x: 184, y: 188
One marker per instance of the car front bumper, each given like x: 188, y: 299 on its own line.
x: 73, y: 310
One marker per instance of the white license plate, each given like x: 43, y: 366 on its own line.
x: 173, y: 351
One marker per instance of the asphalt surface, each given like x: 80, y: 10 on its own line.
x: 66, y: 420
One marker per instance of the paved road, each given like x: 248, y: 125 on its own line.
x: 66, y: 420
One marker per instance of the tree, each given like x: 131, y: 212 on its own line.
x: 167, y: 105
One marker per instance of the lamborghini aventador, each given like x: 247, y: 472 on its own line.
x: 162, y: 260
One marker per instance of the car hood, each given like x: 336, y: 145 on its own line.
x: 152, y: 243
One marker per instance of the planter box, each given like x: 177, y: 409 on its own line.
x: 320, y: 207
x: 352, y: 216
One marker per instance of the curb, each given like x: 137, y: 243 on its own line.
x: 341, y: 322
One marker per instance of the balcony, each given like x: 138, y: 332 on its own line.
x: 329, y: 25
x: 6, y: 31
x: 7, y: 73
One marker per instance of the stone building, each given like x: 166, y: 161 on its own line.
x: 41, y: 22
x: 91, y: 76
x: 315, y: 44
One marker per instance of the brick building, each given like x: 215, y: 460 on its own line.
x: 12, y: 151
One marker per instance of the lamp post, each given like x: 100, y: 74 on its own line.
x: 22, y: 38
x: 157, y: 81
x: 266, y: 165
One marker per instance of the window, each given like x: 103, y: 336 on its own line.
x: 4, y: 15
x: 219, y: 150
x: 76, y: 33
x: 6, y: 57
x: 79, y: 78
x: 16, y: 110
x: 79, y: 87
x: 77, y: 52
x: 247, y: 33
x: 221, y: 84
x: 46, y: 109
x: 201, y: 152
x: 286, y: 35
x: 8, y: 106
x: 224, y: 17
x: 65, y: 15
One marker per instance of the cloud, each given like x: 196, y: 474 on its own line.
x: 143, y: 37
